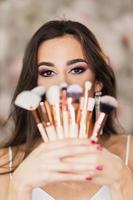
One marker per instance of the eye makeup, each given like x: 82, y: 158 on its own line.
x: 78, y: 68
x: 75, y: 67
x: 46, y: 72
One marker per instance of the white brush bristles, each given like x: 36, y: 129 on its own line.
x: 91, y: 104
x: 74, y: 89
x: 39, y: 90
x: 28, y: 100
x: 109, y: 100
x: 88, y: 85
x: 53, y: 95
x: 63, y: 85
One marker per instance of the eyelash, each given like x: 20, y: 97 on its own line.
x: 81, y: 70
x: 46, y: 71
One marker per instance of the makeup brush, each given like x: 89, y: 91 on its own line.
x: 64, y: 109
x: 28, y: 100
x: 53, y: 97
x: 46, y: 114
x: 90, y: 107
x: 107, y: 105
x: 47, y: 123
x: 47, y: 108
x: 82, y: 131
x: 79, y: 111
x: 97, y: 102
x: 74, y: 93
x: 39, y: 90
x: 97, y: 105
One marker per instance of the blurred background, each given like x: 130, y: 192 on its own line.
x: 111, y: 22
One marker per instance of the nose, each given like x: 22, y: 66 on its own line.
x: 61, y: 79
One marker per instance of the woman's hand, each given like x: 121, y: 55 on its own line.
x: 46, y: 164
x: 105, y: 168
x: 102, y: 166
x: 68, y: 160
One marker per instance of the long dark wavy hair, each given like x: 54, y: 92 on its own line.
x: 25, y: 130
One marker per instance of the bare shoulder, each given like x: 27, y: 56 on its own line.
x: 118, y: 144
x: 4, y: 184
x: 4, y: 160
x: 15, y: 153
x: 10, y: 157
x: 5, y: 163
x: 4, y: 178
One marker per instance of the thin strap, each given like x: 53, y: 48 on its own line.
x: 10, y: 160
x: 127, y: 151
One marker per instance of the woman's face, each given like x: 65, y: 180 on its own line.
x: 62, y: 60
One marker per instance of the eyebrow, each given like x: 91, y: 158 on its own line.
x: 70, y: 62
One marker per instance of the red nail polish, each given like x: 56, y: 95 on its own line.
x: 99, y: 148
x: 99, y: 167
x: 88, y: 178
x: 93, y: 142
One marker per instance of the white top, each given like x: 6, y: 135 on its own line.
x: 102, y: 194
x: 39, y: 194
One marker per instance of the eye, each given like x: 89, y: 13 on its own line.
x: 77, y: 70
x: 47, y: 73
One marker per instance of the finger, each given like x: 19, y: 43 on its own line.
x: 84, y: 158
x: 69, y: 167
x: 59, y: 145
x: 70, y: 151
x: 64, y: 143
x: 58, y: 177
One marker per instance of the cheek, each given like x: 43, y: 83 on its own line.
x: 45, y: 82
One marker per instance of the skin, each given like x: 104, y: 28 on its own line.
x: 75, y: 166
x: 60, y: 52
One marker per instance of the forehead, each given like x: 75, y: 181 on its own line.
x: 67, y: 47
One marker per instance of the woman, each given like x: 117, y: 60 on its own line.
x: 65, y: 51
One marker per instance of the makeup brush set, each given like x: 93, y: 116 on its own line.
x: 66, y: 111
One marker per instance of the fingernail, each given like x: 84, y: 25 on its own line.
x: 93, y: 142
x: 88, y: 178
x: 99, y: 167
x: 99, y: 148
